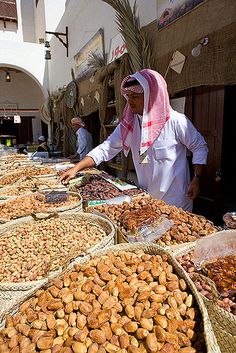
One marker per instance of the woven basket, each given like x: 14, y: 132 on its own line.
x: 76, y: 205
x: 210, y: 340
x: 42, y: 188
x: 223, y: 322
x: 12, y: 293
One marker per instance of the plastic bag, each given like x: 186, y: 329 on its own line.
x: 216, y: 257
x: 220, y: 244
x: 56, y: 196
x: 152, y: 232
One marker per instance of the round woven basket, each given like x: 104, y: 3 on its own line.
x: 210, y: 339
x: 53, y: 175
x: 223, y: 322
x: 12, y: 293
x: 74, y: 206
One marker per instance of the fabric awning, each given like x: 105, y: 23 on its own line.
x: 216, y: 65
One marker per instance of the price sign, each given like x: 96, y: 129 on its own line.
x: 17, y: 119
x: 117, y: 48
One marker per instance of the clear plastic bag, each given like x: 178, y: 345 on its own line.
x: 220, y: 244
x: 152, y: 232
x: 216, y: 257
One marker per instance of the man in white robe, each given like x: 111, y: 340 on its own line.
x: 158, y: 138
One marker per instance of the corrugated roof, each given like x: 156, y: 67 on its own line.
x: 8, y: 11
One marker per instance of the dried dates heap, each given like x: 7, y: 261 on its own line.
x: 122, y: 302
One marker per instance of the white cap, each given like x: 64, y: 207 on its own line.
x: 41, y: 138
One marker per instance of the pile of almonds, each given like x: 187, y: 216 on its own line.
x: 30, y: 250
x: 100, y: 189
x: 187, y: 227
x: 122, y: 302
x: 13, y: 157
x: 11, y: 178
x: 26, y: 186
x: 26, y: 205
x: 204, y: 288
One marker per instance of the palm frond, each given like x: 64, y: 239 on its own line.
x: 96, y: 61
x: 128, y: 24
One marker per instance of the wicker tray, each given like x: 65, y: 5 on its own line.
x: 76, y: 205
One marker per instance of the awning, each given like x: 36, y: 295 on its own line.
x: 216, y: 65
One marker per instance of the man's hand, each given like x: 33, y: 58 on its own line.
x: 86, y: 162
x: 194, y: 188
x: 68, y: 175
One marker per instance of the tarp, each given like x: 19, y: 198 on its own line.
x: 216, y: 65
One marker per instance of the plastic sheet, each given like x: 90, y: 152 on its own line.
x: 152, y: 232
x: 221, y: 244
x: 216, y: 256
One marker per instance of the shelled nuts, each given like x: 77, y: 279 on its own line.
x: 11, y: 178
x: 26, y: 205
x: 26, y: 186
x: 29, y: 251
x: 114, y: 303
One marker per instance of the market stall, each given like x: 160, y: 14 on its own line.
x: 47, y: 228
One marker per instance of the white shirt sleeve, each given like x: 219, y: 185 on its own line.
x: 193, y: 140
x: 108, y: 149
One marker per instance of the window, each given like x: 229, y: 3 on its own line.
x: 36, y: 2
x: 8, y: 11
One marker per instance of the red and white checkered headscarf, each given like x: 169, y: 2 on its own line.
x: 156, y: 110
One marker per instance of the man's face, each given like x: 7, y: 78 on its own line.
x: 136, y: 102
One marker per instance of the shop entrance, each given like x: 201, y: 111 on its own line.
x: 212, y: 111
x: 23, y: 131
x: 228, y: 189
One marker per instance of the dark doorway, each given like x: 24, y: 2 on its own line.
x: 22, y: 131
x: 44, y: 129
x: 93, y: 125
x: 205, y: 106
x: 228, y: 179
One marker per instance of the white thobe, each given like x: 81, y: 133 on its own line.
x: 84, y: 142
x: 166, y: 174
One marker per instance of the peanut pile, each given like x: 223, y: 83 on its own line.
x: 26, y: 205
x: 28, y: 251
x: 100, y: 189
x: 27, y: 171
x: 12, y: 157
x: 122, y: 302
x: 204, y: 288
x: 26, y: 186
x: 187, y: 227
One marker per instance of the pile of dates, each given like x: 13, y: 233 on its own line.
x: 121, y: 302
x: 99, y: 189
x: 227, y: 299
x: 187, y: 227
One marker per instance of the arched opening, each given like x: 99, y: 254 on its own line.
x: 22, y: 95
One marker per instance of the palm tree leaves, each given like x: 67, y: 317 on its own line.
x: 129, y: 27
